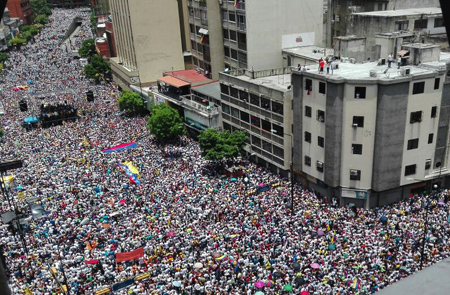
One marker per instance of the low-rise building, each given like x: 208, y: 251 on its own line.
x: 9, y: 28
x: 260, y: 104
x: 372, y: 135
x: 20, y: 9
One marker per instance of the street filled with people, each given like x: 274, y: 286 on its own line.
x: 192, y: 230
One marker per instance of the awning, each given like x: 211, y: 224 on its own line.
x: 402, y: 53
x: 173, y: 81
x: 203, y: 31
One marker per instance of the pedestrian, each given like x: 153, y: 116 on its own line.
x: 390, y: 59
x: 399, y: 61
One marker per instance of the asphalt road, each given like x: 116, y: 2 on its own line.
x: 433, y: 280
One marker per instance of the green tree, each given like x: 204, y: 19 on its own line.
x: 131, y: 103
x: 3, y: 57
x: 97, y: 68
x: 87, y: 49
x: 41, y: 19
x: 2, y: 133
x: 165, y: 122
x: 40, y: 7
x: 18, y: 41
x: 217, y: 145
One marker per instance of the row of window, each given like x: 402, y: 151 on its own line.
x: 411, y: 169
x: 416, y: 116
x: 414, y: 143
x: 255, y: 121
x: 254, y: 99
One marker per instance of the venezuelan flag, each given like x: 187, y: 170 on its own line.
x: 131, y: 171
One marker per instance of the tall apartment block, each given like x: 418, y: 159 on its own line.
x: 372, y: 135
x: 148, y: 40
x: 250, y: 34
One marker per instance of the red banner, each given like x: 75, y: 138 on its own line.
x: 125, y: 256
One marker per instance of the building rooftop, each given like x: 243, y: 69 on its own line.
x: 360, y: 71
x: 313, y: 53
x: 402, y: 12
x: 211, y: 89
x: 191, y: 76
x: 279, y: 82
x: 420, y: 45
x: 399, y: 34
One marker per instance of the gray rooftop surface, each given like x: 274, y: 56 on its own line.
x: 278, y: 82
x: 433, y: 280
x: 402, y: 12
x: 210, y: 90
x: 307, y: 52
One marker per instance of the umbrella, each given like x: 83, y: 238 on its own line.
x: 233, y: 179
x: 216, y: 255
x: 296, y: 266
x: 259, y: 284
x: 315, y: 265
x: 122, y: 201
x: 261, y: 184
x: 304, y: 293
x: 277, y: 274
x: 331, y: 246
x: 299, y: 281
x: 288, y: 288
x: 171, y: 234
x: 383, y: 219
x: 198, y: 265
x: 441, y: 203
x: 320, y: 233
x: 176, y: 284
x: 259, y: 293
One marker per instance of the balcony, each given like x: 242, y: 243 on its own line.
x: 241, y: 27
x: 188, y: 101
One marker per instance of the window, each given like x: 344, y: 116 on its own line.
x: 355, y: 174
x: 320, y: 141
x: 226, y: 109
x: 308, y: 84
x: 226, y: 51
x: 308, y: 161
x: 255, y: 121
x: 358, y: 121
x: 413, y: 144
x: 225, y: 34
x: 192, y: 28
x: 418, y: 87
x: 439, y: 22
x: 319, y: 166
x: 265, y: 103
x: 416, y: 117
x: 427, y: 164
x: 267, y: 146
x: 234, y: 92
x: 420, y: 24
x: 437, y: 82
x: 308, y: 111
x: 360, y: 92
x: 401, y: 25
x: 254, y: 99
x: 434, y: 112
x: 320, y: 116
x: 233, y: 35
x: 256, y: 141
x: 243, y: 95
x: 357, y: 149
x: 245, y: 117
x: 235, y: 112
x: 307, y: 136
x: 430, y: 138
x: 224, y: 88
x: 279, y: 131
x: 224, y: 15
x: 322, y: 87
x: 277, y: 107
x: 232, y: 17
x: 266, y: 125
x: 234, y: 54
x: 410, y: 170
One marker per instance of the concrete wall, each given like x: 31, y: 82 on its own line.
x: 157, y: 37
x: 215, y: 38
x: 285, y: 18
x: 297, y: 92
x: 405, y: 4
x: 354, y: 48
x: 389, y: 141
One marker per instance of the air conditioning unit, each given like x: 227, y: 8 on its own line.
x: 427, y: 164
x: 383, y: 61
x: 342, y: 59
x: 353, y: 172
x: 373, y: 74
x: 220, y: 2
x: 319, y: 165
x: 321, y: 119
x: 406, y: 72
x: 353, y: 60
x: 355, y: 125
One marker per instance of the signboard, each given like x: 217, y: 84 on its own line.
x: 295, y: 40
x: 355, y: 194
x: 122, y: 285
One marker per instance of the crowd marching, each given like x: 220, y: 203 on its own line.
x: 200, y: 234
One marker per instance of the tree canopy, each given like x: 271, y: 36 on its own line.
x: 217, y: 145
x: 165, y: 122
x: 2, y: 133
x: 40, y: 7
x: 131, y: 103
x: 41, y: 19
x: 3, y: 57
x: 18, y: 41
x: 87, y: 49
x: 98, y: 67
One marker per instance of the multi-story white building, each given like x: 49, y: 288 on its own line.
x: 260, y: 104
x: 371, y: 135
x: 250, y: 34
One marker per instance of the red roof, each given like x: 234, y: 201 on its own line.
x: 173, y: 81
x: 191, y: 76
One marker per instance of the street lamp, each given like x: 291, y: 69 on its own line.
x: 291, y: 167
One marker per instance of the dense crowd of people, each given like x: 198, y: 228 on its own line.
x: 201, y: 233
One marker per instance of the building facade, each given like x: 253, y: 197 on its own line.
x: 259, y: 103
x: 21, y: 9
x: 100, y: 7
x: 9, y: 27
x: 371, y: 135
x: 68, y: 3
x: 146, y: 45
x: 240, y: 34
